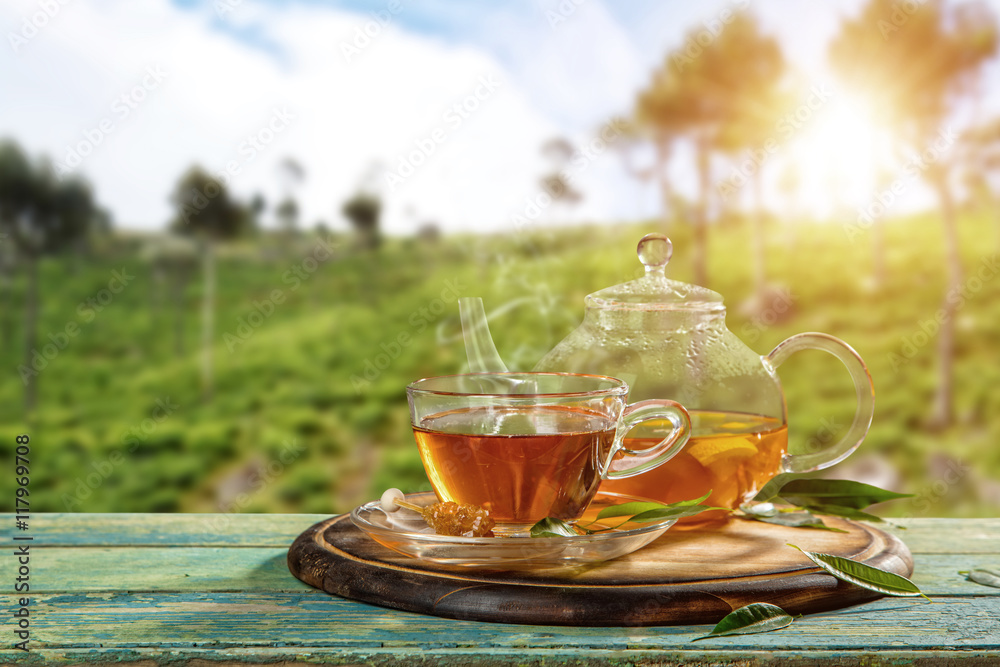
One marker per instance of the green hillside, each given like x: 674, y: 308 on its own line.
x: 308, y: 412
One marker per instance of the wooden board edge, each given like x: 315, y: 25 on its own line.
x: 308, y: 561
x: 342, y: 574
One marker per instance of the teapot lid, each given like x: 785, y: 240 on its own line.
x: 654, y: 291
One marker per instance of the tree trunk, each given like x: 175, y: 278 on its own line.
x: 942, y: 413
x: 156, y: 290
x: 30, y: 332
x: 878, y: 251
x: 759, y: 251
x: 883, y: 182
x: 701, y: 215
x: 207, y: 318
x: 177, y: 296
x: 666, y: 191
x: 6, y: 307
x: 79, y: 248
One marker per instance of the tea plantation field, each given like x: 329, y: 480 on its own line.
x: 315, y: 341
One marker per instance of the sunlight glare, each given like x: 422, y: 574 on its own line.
x: 839, y: 155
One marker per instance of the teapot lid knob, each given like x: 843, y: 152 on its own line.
x: 654, y: 291
x: 654, y: 251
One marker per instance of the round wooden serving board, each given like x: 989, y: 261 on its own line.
x: 684, y: 577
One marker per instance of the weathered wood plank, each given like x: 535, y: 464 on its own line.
x: 70, y: 569
x: 247, y: 620
x: 947, y: 536
x: 91, y: 569
x: 239, y: 605
x: 255, y: 530
x: 522, y: 657
x: 571, y: 657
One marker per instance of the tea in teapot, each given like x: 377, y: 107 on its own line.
x: 730, y: 454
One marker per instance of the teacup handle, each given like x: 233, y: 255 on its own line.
x: 664, y: 450
x: 862, y: 385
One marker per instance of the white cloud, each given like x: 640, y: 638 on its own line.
x: 219, y: 89
x: 227, y: 75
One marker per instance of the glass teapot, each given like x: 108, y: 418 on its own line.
x: 668, y: 339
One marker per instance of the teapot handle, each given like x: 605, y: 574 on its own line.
x: 863, y: 385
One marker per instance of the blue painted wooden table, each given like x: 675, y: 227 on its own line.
x: 174, y: 589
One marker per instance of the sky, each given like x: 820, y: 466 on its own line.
x: 440, y: 106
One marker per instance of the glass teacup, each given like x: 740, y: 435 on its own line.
x: 527, y: 446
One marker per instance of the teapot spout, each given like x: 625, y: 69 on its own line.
x: 479, y: 347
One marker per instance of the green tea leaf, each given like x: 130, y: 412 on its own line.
x: 865, y: 576
x: 836, y: 492
x: 628, y: 509
x: 549, y: 527
x: 770, y: 490
x: 751, y: 619
x: 665, y: 513
x: 638, y: 512
x: 846, y: 512
x: 984, y: 577
x: 639, y: 508
x: 803, y: 519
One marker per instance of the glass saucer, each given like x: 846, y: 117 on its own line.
x: 406, y: 532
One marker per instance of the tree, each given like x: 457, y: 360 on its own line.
x: 696, y: 95
x: 8, y: 265
x: 15, y: 196
x: 206, y: 212
x: 257, y: 207
x: 322, y: 229
x: 429, y: 233
x: 980, y: 150
x: 363, y: 210
x: 559, y: 151
x: 752, y: 128
x: 288, y: 216
x: 790, y: 186
x: 632, y: 138
x: 292, y: 173
x: 173, y: 259
x: 40, y: 216
x: 914, y: 69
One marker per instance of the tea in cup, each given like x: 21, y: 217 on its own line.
x: 527, y: 446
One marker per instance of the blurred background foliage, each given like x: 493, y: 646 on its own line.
x: 224, y: 365
x: 291, y: 380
